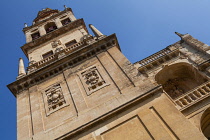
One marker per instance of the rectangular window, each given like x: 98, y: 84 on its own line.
x: 65, y: 21
x: 47, y: 54
x: 50, y: 29
x: 35, y: 35
x: 71, y: 43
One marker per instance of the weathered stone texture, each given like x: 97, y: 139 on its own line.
x: 91, y: 91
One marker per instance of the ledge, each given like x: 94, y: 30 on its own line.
x: 157, y: 59
x: 65, y: 62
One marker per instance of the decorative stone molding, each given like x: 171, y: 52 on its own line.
x: 196, y: 43
x: 92, y: 80
x: 47, y: 37
x: 53, y: 98
x: 157, y: 59
x: 72, y: 58
x: 49, y: 19
x: 193, y: 96
x: 56, y: 43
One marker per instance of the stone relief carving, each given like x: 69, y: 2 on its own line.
x: 88, y: 39
x: 93, y: 79
x: 56, y: 43
x: 55, y: 98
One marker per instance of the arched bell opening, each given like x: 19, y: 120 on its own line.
x: 205, y: 123
x: 50, y: 27
x: 179, y: 78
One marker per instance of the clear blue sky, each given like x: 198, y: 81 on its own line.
x: 143, y: 27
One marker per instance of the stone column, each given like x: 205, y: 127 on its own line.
x: 42, y: 31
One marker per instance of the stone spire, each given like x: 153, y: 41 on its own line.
x: 180, y: 35
x: 96, y: 32
x: 21, y: 69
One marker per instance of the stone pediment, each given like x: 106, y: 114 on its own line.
x: 45, y: 13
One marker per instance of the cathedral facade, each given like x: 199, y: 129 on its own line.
x: 79, y: 86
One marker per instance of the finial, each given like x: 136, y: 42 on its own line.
x: 21, y: 69
x: 96, y: 32
x: 65, y: 6
x: 180, y: 35
x: 25, y: 24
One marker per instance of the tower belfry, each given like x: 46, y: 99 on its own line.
x: 81, y: 86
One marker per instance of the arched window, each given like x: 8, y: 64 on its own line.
x: 205, y: 123
x: 50, y: 27
x: 179, y: 78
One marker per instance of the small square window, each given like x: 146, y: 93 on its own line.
x: 47, y: 54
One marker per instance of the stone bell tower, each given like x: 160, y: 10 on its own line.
x: 70, y: 72
x: 79, y: 86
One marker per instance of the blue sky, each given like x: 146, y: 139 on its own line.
x: 143, y: 27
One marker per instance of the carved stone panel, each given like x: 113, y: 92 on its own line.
x: 53, y: 98
x: 56, y: 43
x: 92, y: 80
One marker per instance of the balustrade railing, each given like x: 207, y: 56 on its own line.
x: 50, y: 58
x: 154, y: 57
x: 157, y: 59
x: 193, y: 96
x: 72, y: 47
x: 55, y: 56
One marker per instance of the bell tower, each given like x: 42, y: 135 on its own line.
x: 70, y: 74
x: 79, y: 86
x: 50, y: 33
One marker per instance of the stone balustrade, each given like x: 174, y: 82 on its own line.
x: 193, y: 96
x: 157, y: 59
x: 55, y: 56
x: 154, y: 57
x: 48, y: 59
x: 72, y: 47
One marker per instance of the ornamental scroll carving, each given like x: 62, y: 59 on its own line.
x: 56, y: 43
x: 54, y: 98
x: 93, y: 79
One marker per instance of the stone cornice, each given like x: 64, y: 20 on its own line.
x: 63, y: 63
x: 45, y: 14
x: 60, y: 31
x: 165, y: 51
x: 202, y: 66
x: 195, y: 43
x: 48, y: 19
x: 158, y: 58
